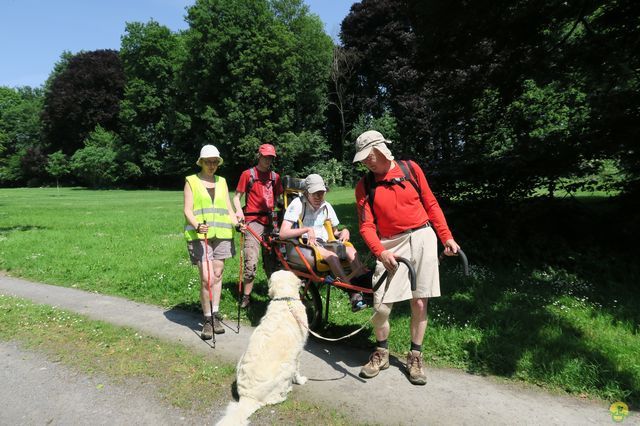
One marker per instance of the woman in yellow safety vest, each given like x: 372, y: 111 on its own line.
x: 209, y: 218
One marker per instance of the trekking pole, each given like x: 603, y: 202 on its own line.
x: 240, y: 278
x: 206, y: 258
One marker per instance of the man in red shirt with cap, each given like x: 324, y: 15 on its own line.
x: 399, y: 217
x: 262, y: 187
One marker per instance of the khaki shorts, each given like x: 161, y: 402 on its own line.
x: 252, y: 249
x: 218, y: 250
x: 420, y: 247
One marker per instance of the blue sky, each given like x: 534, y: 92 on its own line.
x: 33, y: 33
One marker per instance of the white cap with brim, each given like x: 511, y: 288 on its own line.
x: 314, y: 183
x: 209, y: 151
x: 369, y: 140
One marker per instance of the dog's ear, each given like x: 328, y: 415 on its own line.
x: 272, y: 280
x: 284, y: 284
x: 277, y: 283
x: 297, y: 283
x: 293, y: 286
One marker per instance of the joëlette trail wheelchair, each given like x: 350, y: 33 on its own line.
x: 306, y: 262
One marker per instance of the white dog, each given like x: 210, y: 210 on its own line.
x: 271, y: 362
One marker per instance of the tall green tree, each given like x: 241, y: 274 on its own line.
x: 102, y: 163
x: 58, y: 166
x: 21, y: 152
x: 254, y: 71
x: 151, y: 56
x: 314, y: 55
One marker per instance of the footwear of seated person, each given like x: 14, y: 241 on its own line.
x: 357, y: 302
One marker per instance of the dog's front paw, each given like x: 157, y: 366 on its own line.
x: 299, y: 379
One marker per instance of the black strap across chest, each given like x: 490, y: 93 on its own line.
x: 253, y: 176
x: 409, y: 175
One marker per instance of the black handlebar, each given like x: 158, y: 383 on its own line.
x: 463, y: 260
x: 412, y: 274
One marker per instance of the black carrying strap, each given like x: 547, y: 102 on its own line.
x: 410, y: 176
x: 253, y: 175
x: 252, y: 178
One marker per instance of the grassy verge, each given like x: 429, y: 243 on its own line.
x: 551, y: 299
x: 97, y: 348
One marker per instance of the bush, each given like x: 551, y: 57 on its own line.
x: 99, y: 164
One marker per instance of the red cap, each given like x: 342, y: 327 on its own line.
x: 267, y: 150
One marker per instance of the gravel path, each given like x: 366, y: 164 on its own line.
x: 36, y: 391
x: 450, y: 396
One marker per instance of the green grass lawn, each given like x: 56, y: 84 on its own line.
x: 552, y: 297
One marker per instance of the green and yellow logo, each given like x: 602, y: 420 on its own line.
x: 619, y: 410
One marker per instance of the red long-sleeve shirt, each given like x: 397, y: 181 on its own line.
x: 398, y: 209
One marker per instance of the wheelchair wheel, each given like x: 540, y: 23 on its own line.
x: 313, y: 303
x: 270, y: 262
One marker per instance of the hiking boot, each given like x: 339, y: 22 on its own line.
x: 415, y: 369
x: 357, y: 303
x: 217, y: 325
x: 378, y: 360
x: 207, y: 329
x: 246, y: 300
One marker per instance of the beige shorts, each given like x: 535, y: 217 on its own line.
x: 218, y: 250
x: 252, y: 249
x: 421, y: 249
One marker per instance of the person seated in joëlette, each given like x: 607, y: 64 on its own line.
x: 312, y: 210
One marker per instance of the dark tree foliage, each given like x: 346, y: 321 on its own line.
x: 502, y: 97
x: 606, y: 53
x: 84, y: 94
x: 533, y: 53
x: 378, y: 36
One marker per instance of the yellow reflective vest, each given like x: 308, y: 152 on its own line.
x: 215, y: 213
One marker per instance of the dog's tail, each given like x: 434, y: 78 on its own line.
x: 238, y: 413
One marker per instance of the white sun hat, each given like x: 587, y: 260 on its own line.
x: 209, y: 151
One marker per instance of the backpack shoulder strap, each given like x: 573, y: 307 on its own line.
x: 370, y: 189
x: 410, y: 175
x: 303, y: 213
x: 252, y: 179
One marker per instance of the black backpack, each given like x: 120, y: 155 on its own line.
x: 370, y: 183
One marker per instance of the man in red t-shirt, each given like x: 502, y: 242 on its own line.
x: 262, y: 187
x: 398, y: 214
